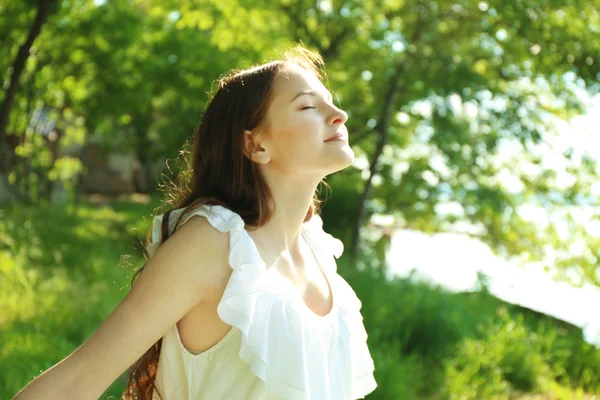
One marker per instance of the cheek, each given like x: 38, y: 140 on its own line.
x: 307, y: 126
x: 300, y: 138
x: 306, y: 139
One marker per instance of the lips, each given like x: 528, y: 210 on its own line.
x: 336, y: 136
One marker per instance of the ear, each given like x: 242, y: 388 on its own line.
x: 253, y: 150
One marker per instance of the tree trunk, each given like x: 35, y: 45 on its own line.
x: 18, y: 66
x: 25, y: 178
x: 142, y: 146
x: 53, y: 146
x: 382, y: 128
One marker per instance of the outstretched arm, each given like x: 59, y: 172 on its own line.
x: 182, y: 273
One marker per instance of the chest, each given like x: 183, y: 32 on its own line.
x: 202, y: 328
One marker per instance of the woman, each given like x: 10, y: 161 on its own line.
x: 243, y: 301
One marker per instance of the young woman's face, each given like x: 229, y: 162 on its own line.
x: 300, y: 118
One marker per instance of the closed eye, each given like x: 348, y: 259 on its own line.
x: 307, y: 107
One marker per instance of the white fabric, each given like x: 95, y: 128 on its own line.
x: 277, y: 347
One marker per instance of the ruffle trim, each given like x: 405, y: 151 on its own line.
x: 296, y: 353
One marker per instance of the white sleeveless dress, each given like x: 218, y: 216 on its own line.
x: 277, y: 347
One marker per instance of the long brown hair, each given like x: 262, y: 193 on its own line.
x: 220, y: 173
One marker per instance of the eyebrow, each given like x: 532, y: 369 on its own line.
x: 312, y: 93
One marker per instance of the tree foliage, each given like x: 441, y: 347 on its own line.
x: 448, y: 101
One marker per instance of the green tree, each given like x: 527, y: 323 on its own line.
x: 436, y: 92
x: 42, y: 9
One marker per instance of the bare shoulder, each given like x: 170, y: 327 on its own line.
x: 203, y: 250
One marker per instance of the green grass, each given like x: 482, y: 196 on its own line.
x: 428, y: 343
x: 61, y: 275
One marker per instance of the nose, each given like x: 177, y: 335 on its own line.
x: 339, y: 116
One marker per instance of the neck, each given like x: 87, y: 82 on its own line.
x: 281, y: 234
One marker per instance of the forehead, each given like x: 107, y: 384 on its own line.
x: 293, y: 79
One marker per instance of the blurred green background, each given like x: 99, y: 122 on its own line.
x: 463, y: 104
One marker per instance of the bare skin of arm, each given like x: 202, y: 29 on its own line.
x: 187, y: 269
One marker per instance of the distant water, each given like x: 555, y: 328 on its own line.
x: 452, y: 261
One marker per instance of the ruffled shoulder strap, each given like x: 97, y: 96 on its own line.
x: 219, y: 217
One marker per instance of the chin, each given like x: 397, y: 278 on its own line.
x: 349, y: 157
x: 340, y: 166
x: 344, y: 160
